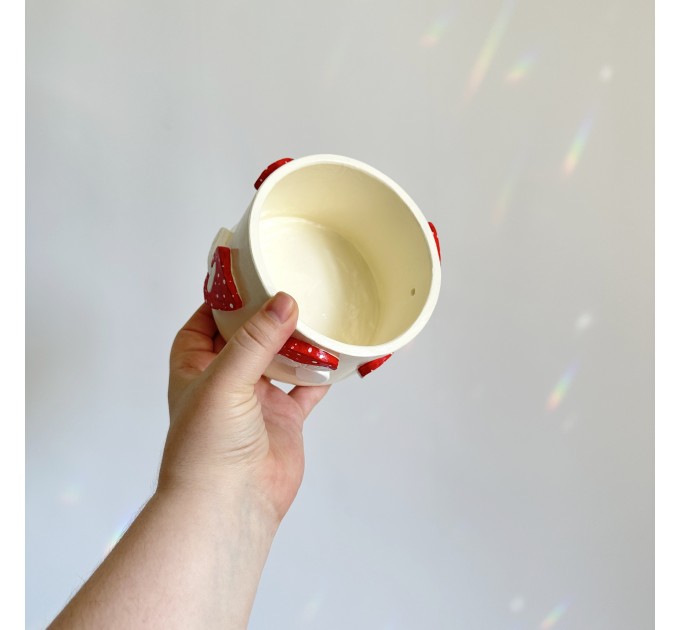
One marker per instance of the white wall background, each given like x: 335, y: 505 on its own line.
x: 498, y: 472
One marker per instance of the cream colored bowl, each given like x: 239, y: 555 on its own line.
x: 349, y: 245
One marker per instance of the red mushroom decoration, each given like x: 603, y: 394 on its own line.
x: 221, y: 293
x: 270, y: 169
x: 307, y: 354
x: 436, y: 239
x: 366, y: 368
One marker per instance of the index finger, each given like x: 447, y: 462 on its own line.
x: 197, y: 334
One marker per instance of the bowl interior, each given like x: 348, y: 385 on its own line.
x: 348, y: 247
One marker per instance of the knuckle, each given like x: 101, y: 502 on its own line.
x: 254, y: 335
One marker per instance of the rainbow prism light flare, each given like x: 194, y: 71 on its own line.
x: 553, y: 616
x: 119, y: 532
x: 489, y: 49
x: 521, y: 69
x: 436, y: 31
x: 578, y: 145
x: 560, y: 390
x: 507, y: 191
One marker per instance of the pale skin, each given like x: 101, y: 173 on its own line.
x: 232, y: 465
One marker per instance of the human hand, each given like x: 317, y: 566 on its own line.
x: 231, y: 430
x: 232, y: 466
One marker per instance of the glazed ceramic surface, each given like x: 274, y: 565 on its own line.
x: 349, y: 245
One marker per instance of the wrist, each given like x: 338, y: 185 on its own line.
x: 236, y: 503
x: 230, y: 533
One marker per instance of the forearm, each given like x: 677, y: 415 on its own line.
x: 189, y: 560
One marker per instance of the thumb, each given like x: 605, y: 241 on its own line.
x: 251, y: 349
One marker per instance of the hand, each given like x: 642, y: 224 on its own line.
x: 230, y: 428
x: 232, y: 466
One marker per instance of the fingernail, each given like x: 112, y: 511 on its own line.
x: 280, y: 307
